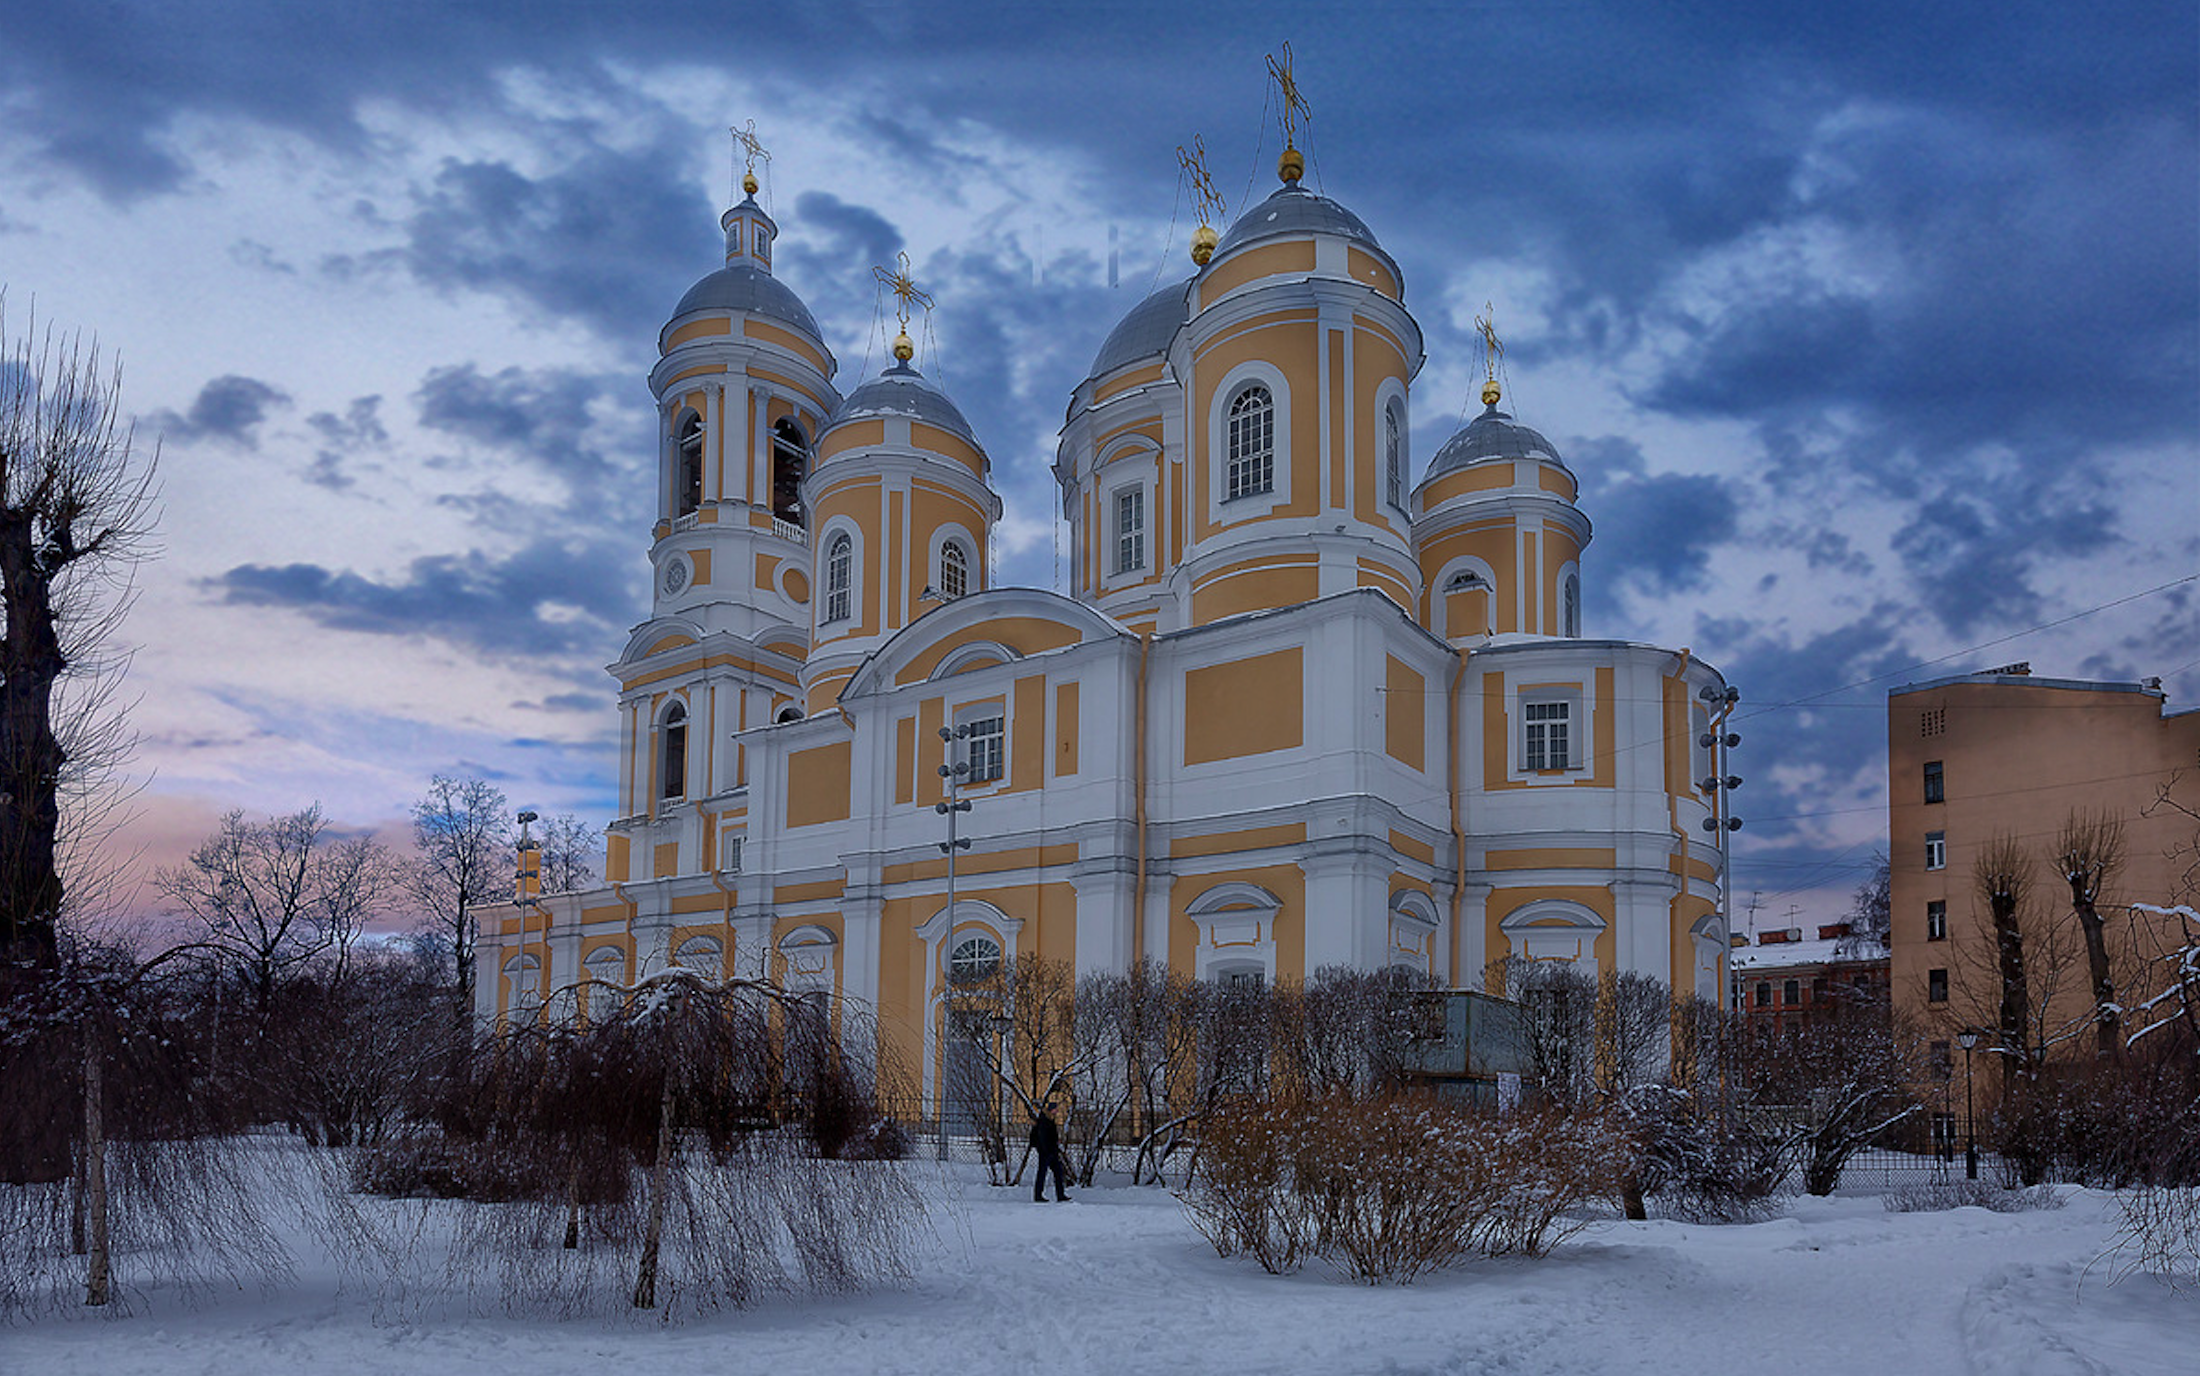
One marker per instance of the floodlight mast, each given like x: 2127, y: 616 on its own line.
x: 954, y: 771
x: 1720, y: 784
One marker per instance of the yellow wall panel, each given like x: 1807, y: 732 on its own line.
x: 1244, y: 707
x: 817, y: 784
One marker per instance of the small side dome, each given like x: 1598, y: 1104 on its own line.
x: 1295, y: 211
x: 903, y: 391
x: 1146, y: 329
x: 745, y: 288
x: 1492, y: 435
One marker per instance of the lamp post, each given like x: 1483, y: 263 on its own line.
x: 954, y: 771
x: 1967, y: 1039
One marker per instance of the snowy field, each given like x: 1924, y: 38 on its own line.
x: 1118, y: 1282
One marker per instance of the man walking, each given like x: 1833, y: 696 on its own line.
x: 1046, y: 1140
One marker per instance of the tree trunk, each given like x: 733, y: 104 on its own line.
x: 96, y: 1290
x: 31, y: 757
x: 2015, y: 1013
x: 645, y: 1283
x: 2108, y: 1022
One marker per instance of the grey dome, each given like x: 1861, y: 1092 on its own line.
x: 903, y: 391
x: 1294, y: 210
x: 1492, y: 435
x: 1146, y: 330
x: 745, y: 288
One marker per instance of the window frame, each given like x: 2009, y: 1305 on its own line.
x: 979, y: 967
x: 1130, y: 537
x: 672, y: 752
x: 1936, y: 985
x: 954, y: 570
x: 1394, y: 456
x: 1536, y: 753
x: 1936, y: 919
x: 1936, y: 781
x: 688, y: 446
x: 838, y: 603
x: 1936, y: 850
x: 1257, y: 460
x: 790, y: 449
x: 990, y: 725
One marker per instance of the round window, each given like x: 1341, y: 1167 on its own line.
x: 973, y: 958
x: 675, y: 576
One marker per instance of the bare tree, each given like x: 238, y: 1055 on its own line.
x: 1871, y: 910
x: 2088, y: 852
x: 462, y: 831
x: 1843, y: 1080
x: 76, y: 518
x: 272, y: 895
x: 2002, y: 878
x: 567, y: 845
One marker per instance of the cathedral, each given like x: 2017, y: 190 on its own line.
x: 1308, y: 701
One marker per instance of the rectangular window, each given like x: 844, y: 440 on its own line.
x: 1938, y: 1059
x: 1546, y: 745
x: 1935, y: 783
x: 987, y: 749
x: 1936, y: 850
x: 1944, y: 1131
x: 1936, y: 986
x: 1791, y: 992
x: 1764, y: 993
x: 1130, y: 529
x: 1936, y: 920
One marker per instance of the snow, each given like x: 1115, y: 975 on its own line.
x: 1117, y: 1281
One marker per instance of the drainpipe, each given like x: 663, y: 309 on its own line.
x: 1138, y: 786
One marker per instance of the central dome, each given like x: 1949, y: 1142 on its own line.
x: 1295, y: 211
x: 745, y: 288
x: 1492, y: 435
x: 903, y: 391
x: 1146, y: 330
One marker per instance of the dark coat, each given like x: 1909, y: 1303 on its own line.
x: 1046, y: 1138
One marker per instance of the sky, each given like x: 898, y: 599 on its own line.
x: 1872, y: 331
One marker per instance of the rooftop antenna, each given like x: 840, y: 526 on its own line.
x: 1295, y: 112
x: 750, y: 151
x: 906, y: 294
x: 1205, y: 199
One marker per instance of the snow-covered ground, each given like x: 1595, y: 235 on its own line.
x: 1118, y: 1282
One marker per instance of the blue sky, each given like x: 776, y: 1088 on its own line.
x: 1873, y: 331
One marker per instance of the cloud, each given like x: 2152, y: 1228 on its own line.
x: 343, y: 438
x: 1654, y: 532
x: 547, y: 598
x: 544, y: 413
x: 229, y: 409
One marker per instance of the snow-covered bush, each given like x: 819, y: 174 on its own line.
x: 1389, y: 1189
x: 2160, y: 1233
x: 1700, y: 1161
x: 1940, y: 1196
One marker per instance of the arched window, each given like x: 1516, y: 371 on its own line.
x: 1252, y: 444
x: 672, y: 753
x: 688, y: 471
x: 954, y: 570
x: 1394, y: 458
x: 973, y: 959
x: 1570, y: 607
x: 790, y: 463
x: 840, y: 567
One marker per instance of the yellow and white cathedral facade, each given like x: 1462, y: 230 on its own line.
x: 1309, y: 702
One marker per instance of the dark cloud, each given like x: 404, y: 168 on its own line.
x: 229, y: 409
x: 549, y: 597
x: 1654, y: 532
x: 542, y: 412
x: 609, y: 238
x: 343, y: 438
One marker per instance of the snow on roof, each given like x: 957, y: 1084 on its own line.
x: 1841, y: 950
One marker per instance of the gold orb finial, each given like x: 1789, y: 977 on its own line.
x: 1204, y: 240
x: 1291, y: 166
x: 1491, y: 392
x: 749, y: 183
x: 903, y: 348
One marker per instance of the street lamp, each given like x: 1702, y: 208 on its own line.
x: 1967, y: 1039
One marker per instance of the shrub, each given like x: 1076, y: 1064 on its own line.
x: 1702, y: 1164
x: 1389, y: 1189
x: 2160, y: 1233
x: 1970, y: 1194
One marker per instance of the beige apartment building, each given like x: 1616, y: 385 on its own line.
x: 2004, y: 754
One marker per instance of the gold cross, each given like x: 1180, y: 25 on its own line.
x: 1492, y: 351
x: 1295, y: 111
x: 745, y: 135
x: 1211, y: 205
x: 904, y: 287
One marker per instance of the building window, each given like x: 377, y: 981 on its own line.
x: 1935, y: 782
x: 1944, y: 1132
x: 1936, y: 850
x: 1130, y: 529
x: 1933, y: 721
x: 1394, y: 458
x: 673, y: 753
x: 1570, y: 615
x: 954, y: 570
x: 1546, y: 725
x: 1764, y: 993
x: 986, y: 750
x: 1936, y: 920
x: 973, y: 959
x: 688, y: 479
x: 1791, y: 993
x: 1938, y: 1059
x: 1936, y: 986
x: 1243, y: 981
x: 1252, y: 445
x: 840, y: 562
x: 790, y: 463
